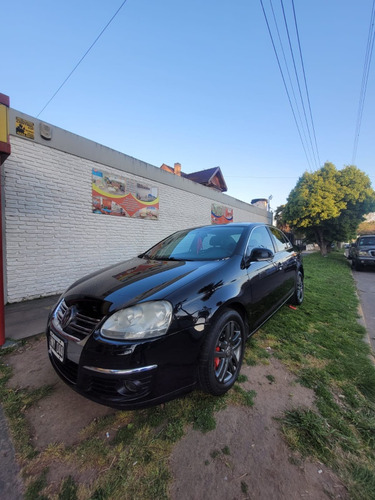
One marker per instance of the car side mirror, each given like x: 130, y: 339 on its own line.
x: 258, y: 254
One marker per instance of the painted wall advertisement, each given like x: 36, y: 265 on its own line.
x: 221, y: 214
x: 116, y: 195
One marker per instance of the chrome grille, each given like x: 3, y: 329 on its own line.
x: 80, y: 325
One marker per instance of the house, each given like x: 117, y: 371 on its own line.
x: 211, y: 177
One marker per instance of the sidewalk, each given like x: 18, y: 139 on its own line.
x: 28, y: 318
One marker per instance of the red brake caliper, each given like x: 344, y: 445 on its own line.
x: 216, y: 360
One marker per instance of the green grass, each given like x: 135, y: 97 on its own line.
x: 271, y: 379
x: 68, y: 489
x: 320, y: 342
x: 244, y: 488
x: 33, y: 491
x: 239, y: 396
x: 136, y: 458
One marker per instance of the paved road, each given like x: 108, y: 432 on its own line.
x: 365, y: 281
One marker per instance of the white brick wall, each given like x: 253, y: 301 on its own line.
x: 53, y: 238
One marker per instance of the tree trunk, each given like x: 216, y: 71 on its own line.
x: 323, y: 244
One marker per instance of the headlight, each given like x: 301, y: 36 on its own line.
x: 363, y: 253
x: 142, y: 321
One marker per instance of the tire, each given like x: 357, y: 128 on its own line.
x: 299, y: 291
x: 356, y: 265
x: 222, y: 353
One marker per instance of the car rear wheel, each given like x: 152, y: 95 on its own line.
x: 299, y: 291
x: 222, y: 353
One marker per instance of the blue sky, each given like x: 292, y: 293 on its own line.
x: 195, y: 82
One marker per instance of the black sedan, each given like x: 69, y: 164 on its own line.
x: 176, y: 317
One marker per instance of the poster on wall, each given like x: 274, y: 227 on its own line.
x: 117, y: 195
x: 24, y: 128
x: 221, y: 214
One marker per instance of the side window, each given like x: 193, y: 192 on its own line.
x: 259, y: 238
x: 280, y: 240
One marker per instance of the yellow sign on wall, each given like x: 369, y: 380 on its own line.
x: 24, y: 128
x: 3, y: 123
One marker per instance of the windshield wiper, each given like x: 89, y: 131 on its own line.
x: 168, y: 258
x: 175, y: 258
x: 160, y: 257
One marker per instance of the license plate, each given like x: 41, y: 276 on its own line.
x: 57, y: 347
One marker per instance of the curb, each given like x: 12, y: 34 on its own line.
x: 362, y: 322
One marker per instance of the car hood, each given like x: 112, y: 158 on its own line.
x: 139, y: 279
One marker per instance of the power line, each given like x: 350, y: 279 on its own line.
x: 285, y: 85
x: 306, y: 123
x: 366, y: 70
x: 288, y: 72
x: 82, y: 58
x: 304, y: 78
x: 262, y: 176
x: 297, y: 79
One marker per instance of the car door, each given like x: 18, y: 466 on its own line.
x: 262, y: 282
x: 285, y: 262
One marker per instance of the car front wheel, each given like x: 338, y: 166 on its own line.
x: 222, y: 353
x: 356, y: 265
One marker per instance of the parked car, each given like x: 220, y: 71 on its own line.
x: 362, y: 252
x: 174, y: 318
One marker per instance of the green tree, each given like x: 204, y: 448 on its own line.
x: 329, y: 204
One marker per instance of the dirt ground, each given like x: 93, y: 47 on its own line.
x: 244, y: 457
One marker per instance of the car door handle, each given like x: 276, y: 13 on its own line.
x: 279, y: 266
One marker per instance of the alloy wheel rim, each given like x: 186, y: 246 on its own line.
x: 228, y: 352
x: 300, y: 288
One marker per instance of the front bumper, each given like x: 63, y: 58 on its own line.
x: 118, y: 388
x: 126, y: 376
x: 366, y: 261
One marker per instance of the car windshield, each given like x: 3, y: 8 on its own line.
x: 368, y: 241
x: 207, y: 243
